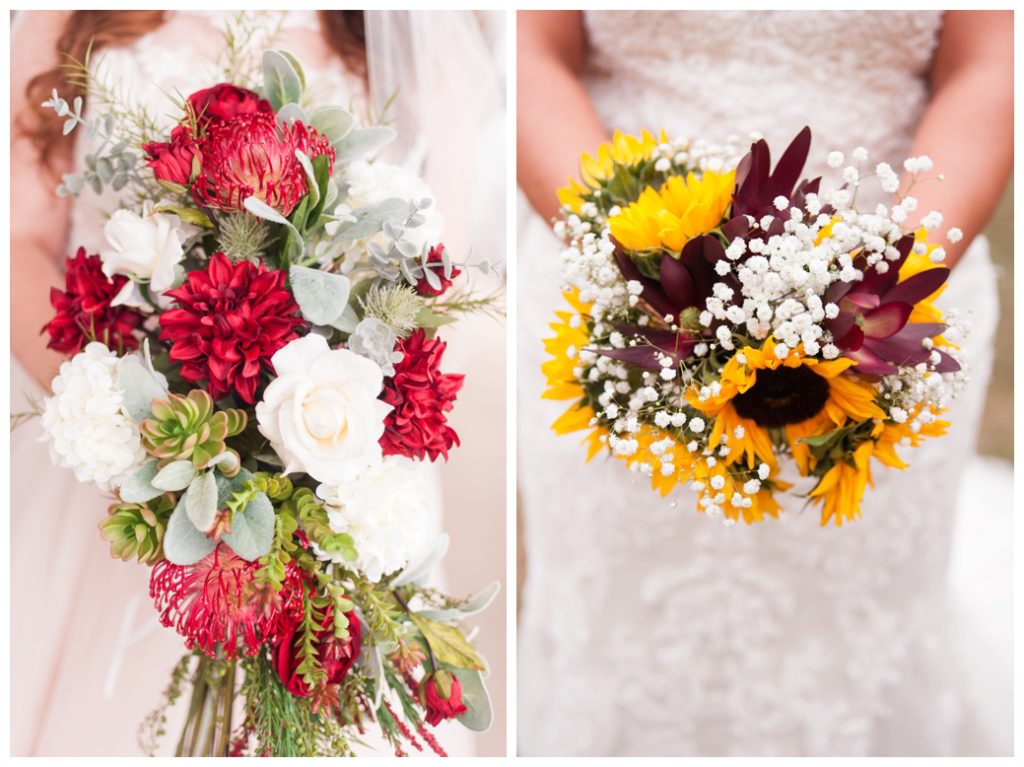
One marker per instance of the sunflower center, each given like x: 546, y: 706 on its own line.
x: 783, y: 396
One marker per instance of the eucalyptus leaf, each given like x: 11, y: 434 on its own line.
x: 478, y: 715
x: 370, y: 219
x: 420, y: 568
x: 363, y: 141
x: 139, y: 387
x: 183, y: 544
x: 322, y: 296
x: 201, y: 501
x: 252, y: 529
x: 177, y: 475
x: 138, y: 486
x: 281, y: 82
x: 333, y: 122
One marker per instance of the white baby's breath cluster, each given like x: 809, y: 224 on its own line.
x: 85, y: 423
x: 783, y: 278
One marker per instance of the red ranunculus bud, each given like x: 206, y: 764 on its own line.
x: 423, y: 286
x: 440, y: 694
x: 224, y: 101
x: 172, y: 160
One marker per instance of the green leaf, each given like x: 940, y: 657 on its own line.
x: 821, y: 440
x: 334, y: 122
x: 322, y: 179
x: 183, y: 544
x: 314, y: 188
x: 173, y: 188
x: 192, y: 216
x: 260, y: 209
x: 281, y: 81
x: 292, y: 113
x: 139, y: 387
x: 322, y: 296
x: 252, y: 531
x: 296, y: 66
x: 476, y: 604
x: 478, y: 716
x: 426, y: 318
x: 363, y: 141
x: 447, y: 643
x: 370, y: 219
x: 138, y: 487
x: 201, y: 501
x: 177, y: 475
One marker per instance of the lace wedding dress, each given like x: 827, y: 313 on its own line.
x: 649, y: 629
x: 89, y: 656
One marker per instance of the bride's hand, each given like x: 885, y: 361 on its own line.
x: 556, y: 120
x: 39, y: 219
x: 967, y: 128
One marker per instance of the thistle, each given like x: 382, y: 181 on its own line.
x: 395, y: 305
x: 187, y: 428
x: 136, y: 530
x: 242, y: 237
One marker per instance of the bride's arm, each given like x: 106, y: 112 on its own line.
x: 556, y: 120
x: 39, y: 219
x: 967, y: 129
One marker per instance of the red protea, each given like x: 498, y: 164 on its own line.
x: 84, y: 312
x: 420, y: 395
x: 229, y: 321
x: 251, y: 154
x: 214, y: 602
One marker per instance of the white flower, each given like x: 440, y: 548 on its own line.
x: 147, y: 247
x: 85, y: 423
x: 835, y: 159
x: 386, y: 511
x: 375, y: 182
x: 321, y: 414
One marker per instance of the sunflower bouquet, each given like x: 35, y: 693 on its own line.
x: 254, y: 376
x: 729, y: 321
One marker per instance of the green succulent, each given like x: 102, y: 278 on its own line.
x: 186, y: 428
x: 136, y: 530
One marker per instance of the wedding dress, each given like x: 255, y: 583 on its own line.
x: 89, y: 656
x: 649, y: 629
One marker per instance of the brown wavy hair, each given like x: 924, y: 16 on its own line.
x: 344, y: 32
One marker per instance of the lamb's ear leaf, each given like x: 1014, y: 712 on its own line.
x: 334, y: 122
x: 478, y: 715
x: 282, y: 83
x: 322, y: 296
x: 138, y: 486
x: 363, y: 141
x: 370, y: 219
x: 183, y: 544
x: 252, y: 529
x: 139, y: 387
x: 175, y: 476
x: 201, y: 501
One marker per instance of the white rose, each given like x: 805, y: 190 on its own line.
x: 321, y: 413
x: 386, y: 511
x: 84, y: 421
x: 147, y: 247
x: 370, y: 183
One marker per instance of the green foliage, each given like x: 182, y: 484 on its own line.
x: 313, y: 518
x: 187, y: 428
x: 136, y: 530
x: 383, y: 613
x: 447, y: 644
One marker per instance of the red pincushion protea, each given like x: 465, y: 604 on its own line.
x: 84, y: 312
x: 214, y: 602
x: 251, y: 154
x: 229, y: 321
x: 420, y: 395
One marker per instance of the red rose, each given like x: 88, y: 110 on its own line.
x: 420, y: 395
x: 423, y: 287
x: 229, y: 321
x: 251, y: 154
x: 335, y: 655
x: 440, y: 694
x: 172, y: 161
x: 224, y: 101
x: 84, y: 312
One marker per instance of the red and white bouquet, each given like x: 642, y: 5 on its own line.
x: 254, y: 373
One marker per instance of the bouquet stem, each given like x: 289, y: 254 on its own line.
x: 207, y: 730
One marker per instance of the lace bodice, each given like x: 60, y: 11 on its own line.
x: 649, y: 629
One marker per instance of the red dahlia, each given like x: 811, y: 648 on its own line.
x: 251, y: 154
x: 213, y: 602
x: 420, y: 395
x: 84, y: 312
x: 435, y: 257
x: 229, y: 321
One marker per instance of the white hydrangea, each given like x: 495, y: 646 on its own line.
x: 386, y: 510
x: 85, y: 423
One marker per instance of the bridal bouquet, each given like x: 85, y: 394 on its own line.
x: 725, y: 316
x: 254, y: 374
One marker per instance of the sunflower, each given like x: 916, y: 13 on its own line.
x: 621, y: 150
x: 803, y: 396
x: 680, y: 210
x: 570, y: 336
